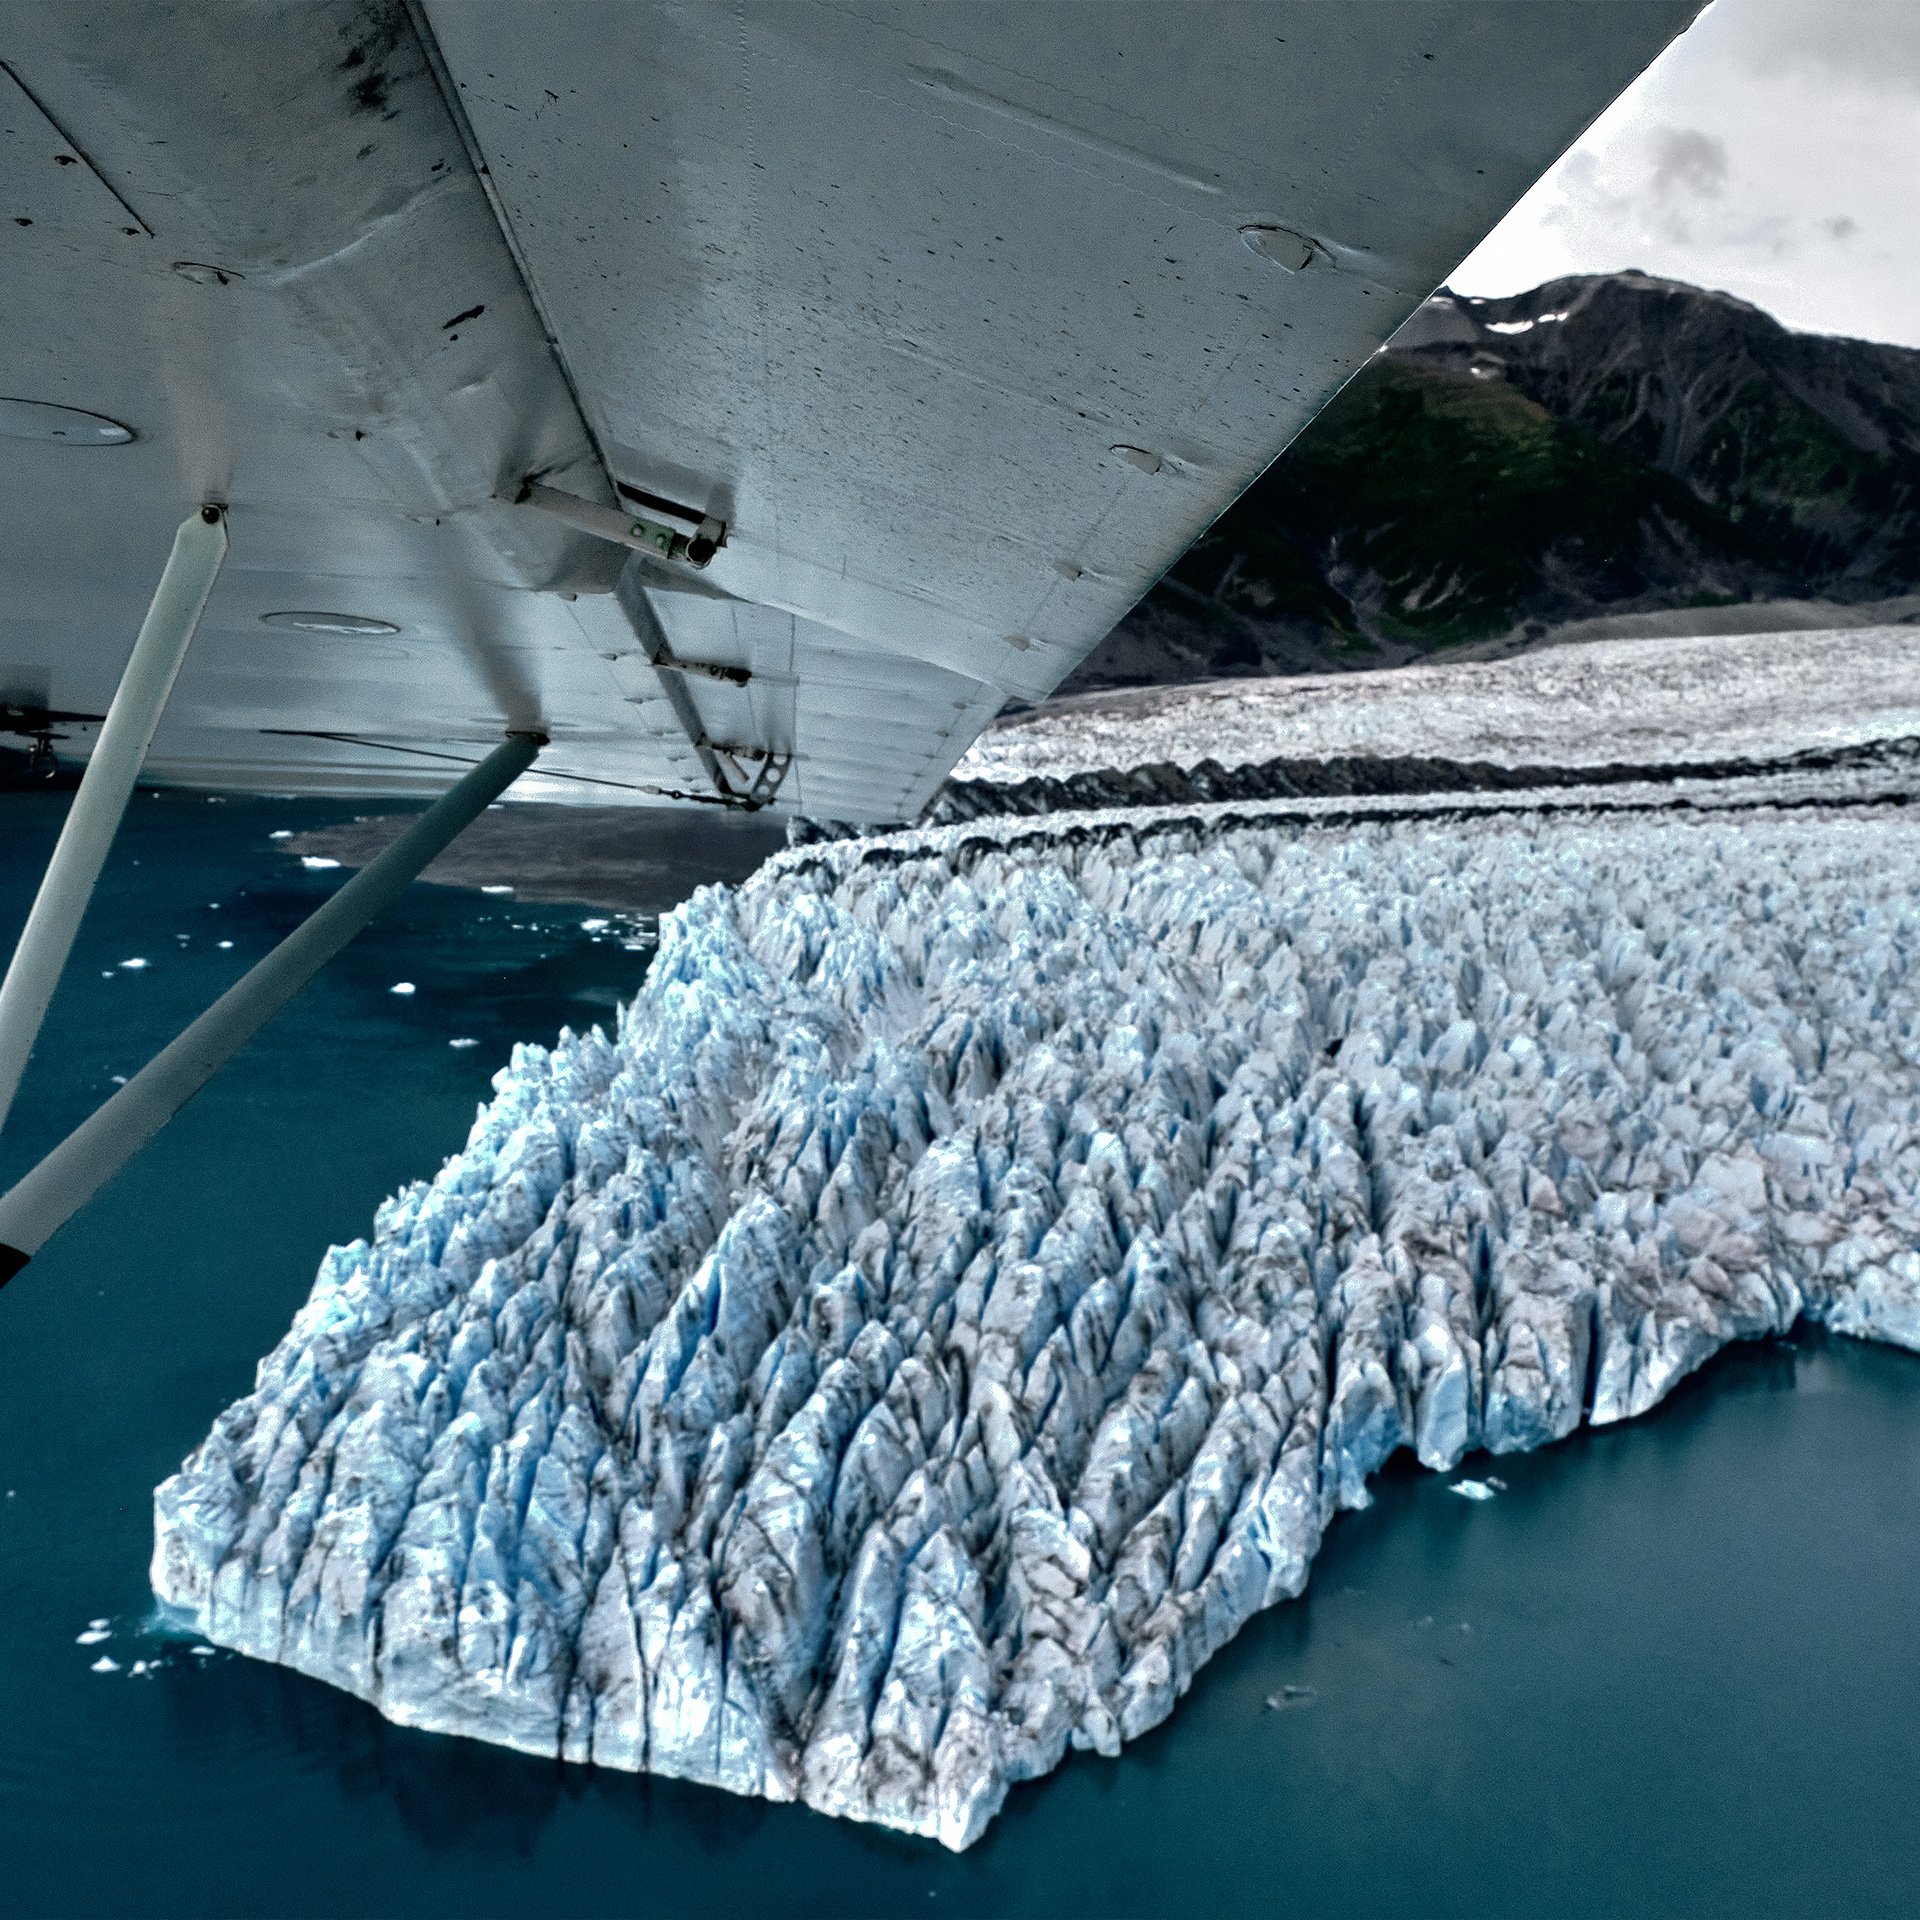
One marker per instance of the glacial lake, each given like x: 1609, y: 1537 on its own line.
x: 1670, y: 1670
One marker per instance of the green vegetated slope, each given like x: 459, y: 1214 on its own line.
x: 1601, y: 445
x: 1429, y: 506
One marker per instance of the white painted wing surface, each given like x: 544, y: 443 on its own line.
x: 962, y: 320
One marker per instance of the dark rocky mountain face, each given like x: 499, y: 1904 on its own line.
x: 1601, y: 446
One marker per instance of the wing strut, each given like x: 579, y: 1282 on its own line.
x: 103, y: 1143
x: 717, y: 759
x: 94, y: 818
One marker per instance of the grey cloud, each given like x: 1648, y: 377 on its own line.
x: 1805, y: 202
x: 1874, y: 44
x: 1685, y: 160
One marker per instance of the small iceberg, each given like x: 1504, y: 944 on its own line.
x: 317, y: 862
x: 402, y: 987
x: 105, y: 1665
x: 1289, y: 1697
x: 1471, y: 1490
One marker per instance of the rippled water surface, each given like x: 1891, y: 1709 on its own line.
x: 1670, y: 1670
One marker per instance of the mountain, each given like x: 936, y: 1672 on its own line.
x: 1614, y: 449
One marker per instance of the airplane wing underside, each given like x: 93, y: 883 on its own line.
x: 939, y: 330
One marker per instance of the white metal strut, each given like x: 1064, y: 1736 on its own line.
x: 33, y: 1211
x: 192, y: 567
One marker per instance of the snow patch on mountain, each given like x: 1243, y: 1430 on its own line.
x: 978, y: 1268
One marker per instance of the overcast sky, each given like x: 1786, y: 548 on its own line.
x: 1772, y: 151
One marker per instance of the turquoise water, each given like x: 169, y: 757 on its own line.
x: 1670, y: 1671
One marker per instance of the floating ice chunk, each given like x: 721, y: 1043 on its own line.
x: 203, y: 1652
x: 119, y: 1079
x: 93, y: 1636
x: 225, y: 944
x: 139, y: 1666
x: 594, y: 926
x: 1496, y: 1483
x: 317, y: 862
x: 1289, y: 1696
x: 103, y: 1622
x: 1509, y: 326
x: 134, y: 966
x: 463, y: 1041
x: 281, y: 833
x: 402, y: 987
x: 1472, y: 1489
x: 502, y: 889
x: 105, y: 1664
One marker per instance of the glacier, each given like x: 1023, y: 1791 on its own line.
x: 981, y: 1263
x: 1756, y: 696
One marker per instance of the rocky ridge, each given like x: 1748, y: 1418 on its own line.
x: 1597, y: 449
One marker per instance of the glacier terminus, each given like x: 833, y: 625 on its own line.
x: 982, y: 1262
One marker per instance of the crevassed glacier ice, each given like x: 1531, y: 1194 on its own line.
x: 1761, y: 696
x: 978, y: 1269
